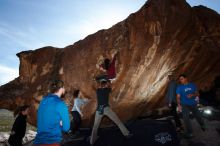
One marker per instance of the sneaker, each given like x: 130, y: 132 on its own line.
x: 129, y: 135
x: 89, y: 139
x: 73, y: 136
x: 7, y: 143
x: 188, y: 135
x: 179, y: 129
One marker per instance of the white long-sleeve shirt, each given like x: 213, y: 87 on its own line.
x: 78, y: 102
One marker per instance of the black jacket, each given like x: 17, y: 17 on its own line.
x: 18, y: 130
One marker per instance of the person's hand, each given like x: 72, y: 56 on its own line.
x: 179, y: 108
x: 190, y: 95
x: 12, y: 133
x: 169, y: 105
x: 102, y: 69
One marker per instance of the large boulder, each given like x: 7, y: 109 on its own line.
x: 163, y: 37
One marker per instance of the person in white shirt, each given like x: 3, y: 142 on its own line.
x: 76, y: 111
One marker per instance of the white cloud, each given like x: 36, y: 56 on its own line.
x: 7, y: 74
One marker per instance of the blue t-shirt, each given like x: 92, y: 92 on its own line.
x: 184, y: 90
x: 52, y: 110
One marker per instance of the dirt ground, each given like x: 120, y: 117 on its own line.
x: 210, y: 137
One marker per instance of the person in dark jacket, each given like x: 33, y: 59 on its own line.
x: 171, y: 101
x: 19, y: 126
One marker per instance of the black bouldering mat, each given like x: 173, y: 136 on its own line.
x: 145, y: 133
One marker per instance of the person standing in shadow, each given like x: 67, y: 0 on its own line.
x: 171, y: 101
x: 19, y: 126
x: 186, y: 100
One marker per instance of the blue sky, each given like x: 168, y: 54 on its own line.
x: 31, y: 24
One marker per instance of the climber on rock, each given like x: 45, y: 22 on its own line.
x: 107, y: 66
x: 100, y: 68
x: 103, y: 90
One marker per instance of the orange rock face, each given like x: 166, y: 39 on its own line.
x: 163, y: 37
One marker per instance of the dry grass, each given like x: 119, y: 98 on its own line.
x: 7, y: 120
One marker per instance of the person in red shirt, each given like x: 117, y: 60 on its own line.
x: 107, y: 67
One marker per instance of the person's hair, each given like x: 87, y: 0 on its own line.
x: 76, y: 93
x: 100, y: 59
x: 182, y: 75
x: 55, y: 85
x: 106, y: 63
x: 171, y: 76
x: 20, y: 109
x: 103, y: 83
